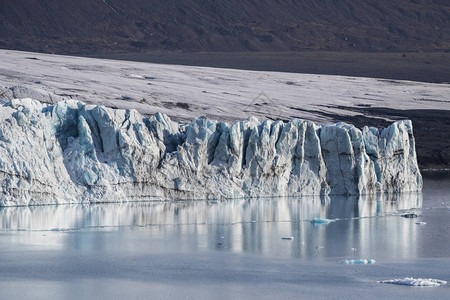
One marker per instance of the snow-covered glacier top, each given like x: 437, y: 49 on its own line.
x: 75, y: 153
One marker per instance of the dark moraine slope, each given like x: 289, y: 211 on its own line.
x: 114, y: 26
x: 418, y: 66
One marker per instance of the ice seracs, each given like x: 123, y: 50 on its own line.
x: 71, y: 152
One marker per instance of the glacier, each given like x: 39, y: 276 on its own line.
x: 72, y: 152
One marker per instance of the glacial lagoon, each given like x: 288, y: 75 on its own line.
x: 232, y: 249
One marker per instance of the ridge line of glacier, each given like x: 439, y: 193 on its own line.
x: 71, y: 152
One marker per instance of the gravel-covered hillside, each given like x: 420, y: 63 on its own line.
x: 111, y: 26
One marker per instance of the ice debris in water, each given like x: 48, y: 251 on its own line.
x: 321, y: 221
x: 56, y: 229
x: 416, y: 282
x: 358, y: 261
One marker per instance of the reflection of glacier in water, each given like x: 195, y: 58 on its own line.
x: 362, y: 225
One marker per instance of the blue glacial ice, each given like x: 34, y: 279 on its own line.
x: 71, y: 152
x: 321, y: 221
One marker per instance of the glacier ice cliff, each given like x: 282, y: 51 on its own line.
x: 71, y: 152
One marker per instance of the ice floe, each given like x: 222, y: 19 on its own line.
x: 416, y: 282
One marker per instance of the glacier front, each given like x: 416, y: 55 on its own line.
x: 71, y: 152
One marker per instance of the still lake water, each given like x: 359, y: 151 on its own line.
x: 228, y: 249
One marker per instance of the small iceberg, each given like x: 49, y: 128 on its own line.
x: 358, y: 261
x: 416, y: 282
x: 57, y: 229
x: 321, y: 221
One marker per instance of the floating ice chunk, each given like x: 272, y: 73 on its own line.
x: 421, y: 223
x: 289, y: 238
x: 358, y: 261
x: 321, y: 221
x: 57, y: 229
x: 416, y: 282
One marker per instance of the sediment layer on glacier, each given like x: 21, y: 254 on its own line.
x: 76, y: 153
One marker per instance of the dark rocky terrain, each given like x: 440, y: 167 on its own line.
x: 418, y: 66
x: 113, y: 26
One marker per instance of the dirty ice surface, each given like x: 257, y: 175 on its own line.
x: 231, y: 249
x: 185, y: 92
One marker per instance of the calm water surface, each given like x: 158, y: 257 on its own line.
x: 227, y: 249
